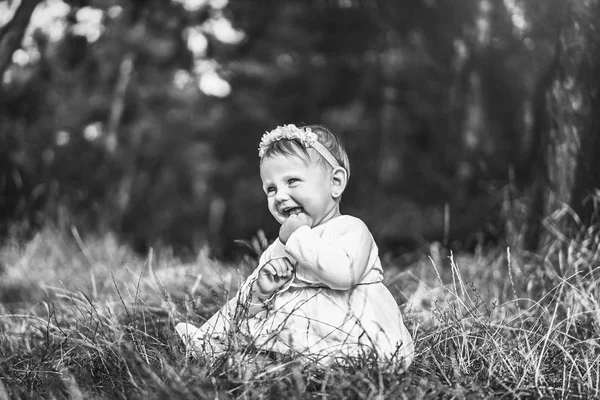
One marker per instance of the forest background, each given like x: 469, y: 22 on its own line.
x: 466, y: 121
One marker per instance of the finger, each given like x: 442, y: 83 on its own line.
x: 269, y: 269
x: 287, y: 262
x: 302, y: 217
x: 282, y: 267
x: 289, y: 271
x: 289, y: 267
x: 273, y: 267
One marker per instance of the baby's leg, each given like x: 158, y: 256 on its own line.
x: 191, y: 337
x: 211, y: 338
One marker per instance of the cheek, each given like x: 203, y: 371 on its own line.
x: 271, y: 204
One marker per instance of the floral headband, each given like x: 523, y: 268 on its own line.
x: 305, y: 135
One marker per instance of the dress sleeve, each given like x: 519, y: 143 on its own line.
x: 340, y: 262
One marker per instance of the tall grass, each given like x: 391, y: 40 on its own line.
x: 90, y: 319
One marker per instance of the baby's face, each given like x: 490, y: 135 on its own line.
x: 294, y: 186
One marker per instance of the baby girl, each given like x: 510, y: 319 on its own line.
x: 318, y: 290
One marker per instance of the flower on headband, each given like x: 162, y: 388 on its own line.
x: 289, y: 132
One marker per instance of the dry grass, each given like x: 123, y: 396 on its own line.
x: 91, y: 319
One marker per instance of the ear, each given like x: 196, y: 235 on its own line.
x: 339, y: 180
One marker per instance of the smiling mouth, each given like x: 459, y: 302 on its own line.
x: 292, y: 211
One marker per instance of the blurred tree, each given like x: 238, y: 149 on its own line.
x: 18, y: 199
x: 12, y: 32
x: 100, y: 88
x: 143, y: 117
x: 567, y: 141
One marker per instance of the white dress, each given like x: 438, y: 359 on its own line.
x: 336, y: 306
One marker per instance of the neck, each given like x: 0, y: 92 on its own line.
x: 331, y: 214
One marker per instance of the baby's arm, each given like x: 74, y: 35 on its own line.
x: 339, y: 263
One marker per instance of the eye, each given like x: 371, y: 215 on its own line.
x: 291, y: 181
x: 270, y: 189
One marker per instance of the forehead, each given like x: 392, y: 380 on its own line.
x: 281, y: 164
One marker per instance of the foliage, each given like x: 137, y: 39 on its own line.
x: 120, y: 131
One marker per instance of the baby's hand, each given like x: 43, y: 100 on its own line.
x: 274, y: 275
x: 290, y: 225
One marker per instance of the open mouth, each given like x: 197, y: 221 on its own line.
x: 292, y: 211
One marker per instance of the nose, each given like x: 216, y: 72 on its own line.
x: 281, y: 196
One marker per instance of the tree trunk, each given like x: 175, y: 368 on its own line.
x: 566, y: 154
x: 537, y: 156
x: 586, y: 180
x: 12, y: 33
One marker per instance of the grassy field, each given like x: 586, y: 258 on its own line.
x: 90, y: 319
